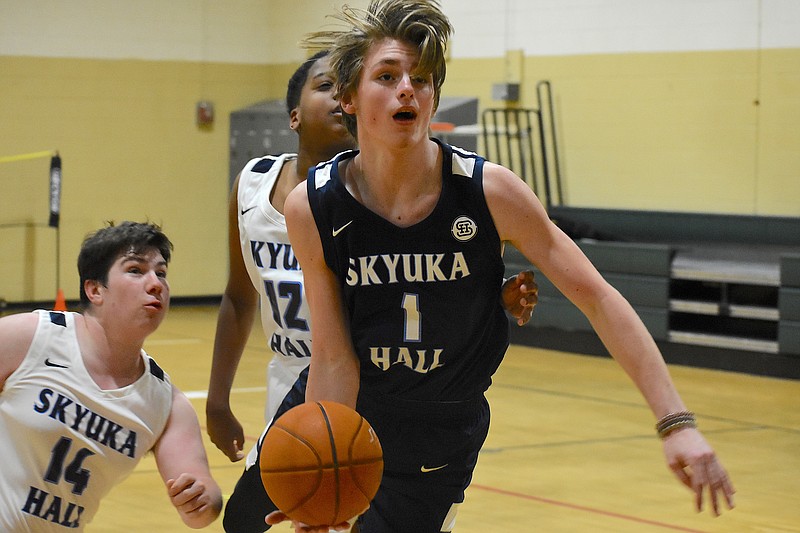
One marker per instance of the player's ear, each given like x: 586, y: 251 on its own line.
x: 294, y: 118
x: 93, y: 289
x: 346, y: 102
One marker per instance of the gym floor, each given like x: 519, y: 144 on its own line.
x: 571, y: 447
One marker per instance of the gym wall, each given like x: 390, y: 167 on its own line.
x: 679, y: 105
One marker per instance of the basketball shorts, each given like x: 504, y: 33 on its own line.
x: 430, y: 452
x: 249, y: 502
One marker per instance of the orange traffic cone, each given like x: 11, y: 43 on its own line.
x: 61, y: 303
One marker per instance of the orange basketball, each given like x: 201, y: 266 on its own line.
x: 321, y: 463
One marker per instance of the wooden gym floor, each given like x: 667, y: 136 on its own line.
x: 571, y: 448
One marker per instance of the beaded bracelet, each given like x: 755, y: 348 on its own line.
x: 669, y: 423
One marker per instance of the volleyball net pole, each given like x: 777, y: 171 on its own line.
x: 54, y: 198
x: 55, y: 222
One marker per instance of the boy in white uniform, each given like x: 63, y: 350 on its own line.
x: 81, y: 402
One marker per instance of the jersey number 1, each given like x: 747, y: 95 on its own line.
x: 413, y: 320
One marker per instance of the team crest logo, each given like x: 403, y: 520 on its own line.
x: 464, y: 228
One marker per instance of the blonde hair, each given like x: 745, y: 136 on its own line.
x: 419, y: 22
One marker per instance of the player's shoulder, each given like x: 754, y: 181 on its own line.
x: 259, y: 175
x: 16, y: 336
x: 262, y: 165
x: 19, y: 325
x: 180, y: 406
x: 325, y: 174
x: 460, y: 162
x: 263, y: 168
x: 296, y: 206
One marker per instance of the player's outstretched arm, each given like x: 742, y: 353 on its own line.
x: 183, y: 465
x: 236, y: 314
x: 522, y: 221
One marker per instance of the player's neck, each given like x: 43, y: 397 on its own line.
x: 389, y: 166
x: 403, y: 192
x: 112, y: 358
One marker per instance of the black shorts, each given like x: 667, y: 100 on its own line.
x: 249, y: 503
x: 430, y: 452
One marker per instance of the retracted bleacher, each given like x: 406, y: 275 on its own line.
x: 718, y: 291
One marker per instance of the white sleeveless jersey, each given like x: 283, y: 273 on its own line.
x: 276, y: 275
x: 64, y: 441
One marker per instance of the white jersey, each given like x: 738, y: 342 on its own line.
x: 276, y: 275
x: 64, y: 441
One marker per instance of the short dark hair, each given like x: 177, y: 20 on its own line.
x: 102, y: 248
x: 298, y: 79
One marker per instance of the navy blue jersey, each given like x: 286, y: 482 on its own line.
x: 424, y: 302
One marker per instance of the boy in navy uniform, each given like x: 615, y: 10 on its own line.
x: 401, y: 247
x: 263, y: 270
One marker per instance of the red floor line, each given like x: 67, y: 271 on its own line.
x: 582, y: 508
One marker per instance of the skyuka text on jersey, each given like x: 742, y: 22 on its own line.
x: 272, y: 254
x: 85, y: 421
x: 411, y: 268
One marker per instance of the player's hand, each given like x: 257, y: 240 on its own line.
x: 276, y: 517
x: 520, y: 295
x: 695, y: 464
x: 189, y: 495
x: 225, y: 432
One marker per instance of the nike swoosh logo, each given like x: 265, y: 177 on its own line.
x: 248, y: 209
x: 337, y: 231
x: 424, y: 469
x: 48, y: 362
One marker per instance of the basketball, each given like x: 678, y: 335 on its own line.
x: 321, y: 463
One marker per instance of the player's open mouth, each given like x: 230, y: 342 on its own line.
x: 405, y: 116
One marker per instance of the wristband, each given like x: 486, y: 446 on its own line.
x: 673, y: 421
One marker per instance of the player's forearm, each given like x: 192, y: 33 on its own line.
x: 234, y: 324
x: 334, y: 379
x: 632, y: 346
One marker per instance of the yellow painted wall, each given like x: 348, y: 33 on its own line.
x: 131, y: 149
x: 701, y: 132
x: 778, y: 146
